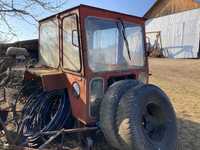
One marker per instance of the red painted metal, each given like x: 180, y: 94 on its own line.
x: 61, y: 78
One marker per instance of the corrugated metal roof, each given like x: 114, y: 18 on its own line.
x: 193, y: 3
x: 152, y: 7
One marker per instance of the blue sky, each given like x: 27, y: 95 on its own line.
x: 26, y: 31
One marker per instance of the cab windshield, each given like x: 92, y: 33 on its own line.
x: 114, y: 44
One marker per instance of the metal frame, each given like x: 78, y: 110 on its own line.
x: 80, y: 106
x: 62, y: 48
x: 58, y: 30
x: 95, y: 78
x: 158, y: 33
x: 111, y: 19
x: 64, y: 131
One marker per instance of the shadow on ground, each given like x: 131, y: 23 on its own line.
x: 189, y: 134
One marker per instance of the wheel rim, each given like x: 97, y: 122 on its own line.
x: 154, y: 122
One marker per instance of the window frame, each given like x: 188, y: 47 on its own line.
x: 39, y: 41
x: 79, y: 43
x: 125, y: 21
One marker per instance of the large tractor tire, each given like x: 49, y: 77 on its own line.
x: 109, y: 107
x: 146, y: 120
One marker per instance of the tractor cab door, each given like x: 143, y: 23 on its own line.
x: 72, y: 65
x: 70, y: 45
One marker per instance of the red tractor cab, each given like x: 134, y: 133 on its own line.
x: 93, y: 67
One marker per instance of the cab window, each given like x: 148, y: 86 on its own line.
x: 71, y: 53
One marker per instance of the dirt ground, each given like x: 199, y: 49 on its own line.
x: 180, y: 79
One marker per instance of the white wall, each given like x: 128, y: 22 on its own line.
x: 180, y: 33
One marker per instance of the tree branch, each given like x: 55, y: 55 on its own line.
x: 14, y: 10
x: 23, y: 10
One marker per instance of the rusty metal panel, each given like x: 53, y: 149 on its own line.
x: 53, y: 81
x: 80, y: 105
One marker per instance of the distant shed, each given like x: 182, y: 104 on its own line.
x: 30, y: 45
x: 177, y: 24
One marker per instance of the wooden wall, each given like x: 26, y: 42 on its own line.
x: 166, y: 7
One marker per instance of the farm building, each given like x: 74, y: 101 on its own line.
x: 30, y: 45
x: 173, y: 27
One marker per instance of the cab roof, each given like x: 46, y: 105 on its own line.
x: 90, y: 8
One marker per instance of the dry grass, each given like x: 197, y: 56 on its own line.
x: 180, y: 79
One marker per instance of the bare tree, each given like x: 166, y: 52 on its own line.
x: 23, y: 9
